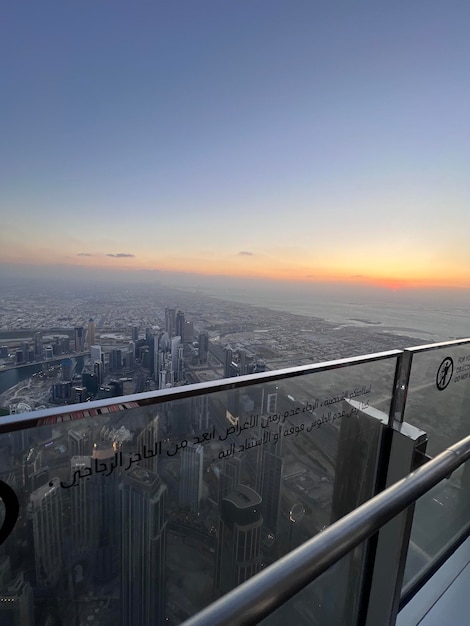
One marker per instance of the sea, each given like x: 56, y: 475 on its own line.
x: 431, y: 317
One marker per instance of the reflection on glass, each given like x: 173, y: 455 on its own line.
x: 437, y: 402
x: 440, y: 517
x: 439, y: 395
x: 144, y: 515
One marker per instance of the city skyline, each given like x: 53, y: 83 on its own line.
x: 302, y: 143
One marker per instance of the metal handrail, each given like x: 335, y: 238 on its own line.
x: 37, y: 418
x: 261, y: 595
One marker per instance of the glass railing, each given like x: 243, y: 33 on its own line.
x: 147, y: 509
x: 438, y: 402
x: 309, y: 585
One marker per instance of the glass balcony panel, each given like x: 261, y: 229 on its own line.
x: 437, y: 402
x: 329, y: 600
x: 147, y: 510
x: 439, y: 394
x: 440, y: 518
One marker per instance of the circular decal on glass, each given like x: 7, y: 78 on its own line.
x: 12, y: 508
x: 444, y: 373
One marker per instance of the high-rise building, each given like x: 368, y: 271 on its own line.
x: 150, y: 340
x: 179, y: 324
x: 62, y: 392
x: 107, y: 493
x: 79, y: 443
x: 64, y: 345
x: 66, y: 370
x: 16, y: 602
x: 271, y: 481
x: 203, y: 347
x: 79, y: 338
x: 239, y: 554
x: 91, y: 382
x: 170, y: 321
x: 175, y: 344
x: 116, y: 360
x: 98, y: 371
x: 200, y: 411
x: 91, y: 332
x: 191, y: 473
x: 84, y: 509
x: 188, y: 331
x: 79, y: 394
x: 95, y: 353
x: 135, y: 333
x: 146, y: 441
x: 47, y: 520
x: 143, y: 596
x: 228, y: 367
x: 157, y: 357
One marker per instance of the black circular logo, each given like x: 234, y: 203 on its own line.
x: 444, y: 373
x: 12, y: 508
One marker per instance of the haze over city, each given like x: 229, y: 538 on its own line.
x: 186, y: 142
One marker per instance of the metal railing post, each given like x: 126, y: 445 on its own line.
x: 408, y: 446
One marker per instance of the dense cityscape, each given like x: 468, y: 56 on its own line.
x: 189, y: 497
x: 97, y: 344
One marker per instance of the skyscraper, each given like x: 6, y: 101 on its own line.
x: 179, y: 325
x: 66, y: 370
x: 203, y: 347
x: 239, y: 548
x: 91, y: 332
x: 84, y: 513
x: 37, y: 345
x: 147, y: 438
x: 47, y: 521
x: 191, y: 473
x: 271, y: 480
x: 188, y: 331
x: 79, y: 338
x: 116, y: 360
x: 95, y: 353
x: 228, y: 368
x: 143, y: 565
x: 98, y: 371
x: 16, y: 602
x: 175, y: 344
x: 170, y: 321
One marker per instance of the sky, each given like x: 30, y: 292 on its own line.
x: 301, y: 140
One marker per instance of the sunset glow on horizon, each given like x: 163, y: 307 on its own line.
x: 321, y: 144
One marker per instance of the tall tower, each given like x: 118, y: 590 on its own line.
x: 179, y: 328
x: 84, y: 513
x: 148, y: 438
x: 203, y: 347
x: 16, y: 602
x: 79, y: 336
x: 170, y: 321
x: 190, y: 485
x: 91, y: 332
x: 46, y: 516
x: 271, y: 481
x: 175, y: 344
x: 37, y: 345
x: 239, y: 549
x: 228, y: 369
x: 143, y: 549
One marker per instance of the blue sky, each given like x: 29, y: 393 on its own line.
x: 329, y: 140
